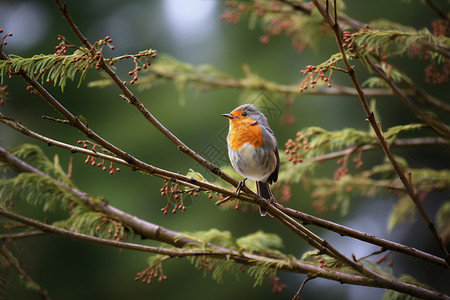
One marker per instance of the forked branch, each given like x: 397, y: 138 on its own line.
x: 333, y: 23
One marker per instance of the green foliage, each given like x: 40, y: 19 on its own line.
x: 50, y: 67
x: 443, y: 221
x: 380, y: 180
x: 34, y: 188
x: 313, y: 145
x: 211, y: 236
x: 262, y: 271
x: 392, y: 132
x: 403, y: 210
x: 324, y: 260
x: 84, y: 220
x: 313, y: 142
x: 33, y: 155
x: 298, y: 21
x: 180, y: 73
x: 425, y: 181
x: 394, y: 295
x: 55, y: 189
x: 260, y: 241
x: 203, y: 78
x: 394, y: 42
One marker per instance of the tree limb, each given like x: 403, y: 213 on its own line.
x: 308, y: 219
x: 373, y: 122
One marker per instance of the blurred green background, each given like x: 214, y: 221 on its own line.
x: 192, y: 31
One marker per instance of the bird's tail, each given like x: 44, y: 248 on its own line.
x: 263, y: 190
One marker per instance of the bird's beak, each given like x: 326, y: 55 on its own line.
x: 229, y: 116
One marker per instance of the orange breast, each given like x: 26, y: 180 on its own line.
x: 245, y: 133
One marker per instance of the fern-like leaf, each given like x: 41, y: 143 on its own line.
x: 50, y: 67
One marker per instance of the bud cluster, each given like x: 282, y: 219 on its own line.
x: 4, y: 95
x: 277, y: 285
x: 276, y: 17
x: 294, y: 148
x: 119, y: 227
x: 63, y: 45
x: 2, y: 40
x: 93, y: 160
x: 143, y: 55
x: 172, y: 190
x: 148, y: 274
x: 315, y: 75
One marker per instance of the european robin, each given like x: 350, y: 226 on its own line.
x: 253, y: 149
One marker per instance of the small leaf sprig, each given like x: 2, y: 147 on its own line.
x: 144, y: 56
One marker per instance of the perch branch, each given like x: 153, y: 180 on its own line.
x: 240, y: 257
x: 373, y: 122
x: 290, y: 212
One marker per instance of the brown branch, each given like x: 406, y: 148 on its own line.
x: 439, y: 11
x: 140, y: 107
x: 300, y: 230
x: 326, y: 248
x: 373, y: 122
x: 238, y: 256
x: 431, y: 120
x: 25, y: 277
x: 312, y: 239
x: 141, y: 227
x: 165, y: 235
x: 406, y: 142
x: 21, y: 235
x: 308, y: 219
x: 182, y: 147
x: 363, y: 236
x: 269, y: 86
x: 297, y: 295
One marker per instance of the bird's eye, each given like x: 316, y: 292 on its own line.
x: 244, y: 114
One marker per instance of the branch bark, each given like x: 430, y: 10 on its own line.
x: 333, y: 23
x: 240, y: 257
x: 305, y: 218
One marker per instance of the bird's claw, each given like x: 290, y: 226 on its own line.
x: 239, y: 187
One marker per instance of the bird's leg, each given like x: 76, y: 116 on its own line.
x: 240, y: 186
x: 238, y: 191
x: 272, y: 199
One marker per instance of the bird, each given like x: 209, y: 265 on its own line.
x: 253, y: 150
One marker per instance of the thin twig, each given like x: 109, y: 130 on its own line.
x: 439, y: 11
x: 170, y: 237
x: 373, y: 122
x: 74, y: 121
x: 363, y: 236
x: 291, y: 224
x: 24, y: 275
x: 308, y: 219
x: 21, y: 235
x: 141, y: 108
x: 431, y: 120
x: 240, y: 257
x: 266, y: 85
x: 297, y: 295
x: 406, y: 142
